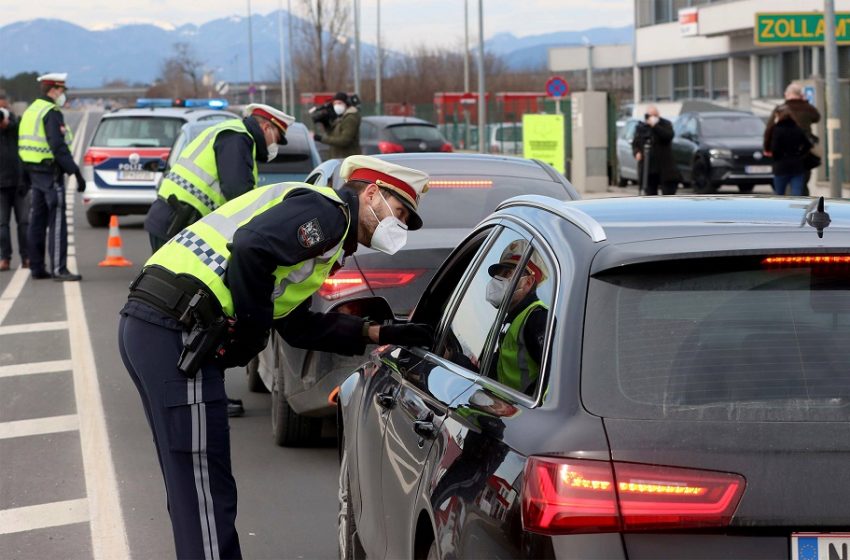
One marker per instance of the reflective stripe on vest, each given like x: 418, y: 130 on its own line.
x: 516, y: 368
x: 194, y: 177
x: 32, y: 137
x: 201, y: 250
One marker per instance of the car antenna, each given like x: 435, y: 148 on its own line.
x: 818, y: 219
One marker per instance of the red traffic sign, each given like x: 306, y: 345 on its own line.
x: 557, y: 87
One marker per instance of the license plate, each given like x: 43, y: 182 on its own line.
x: 820, y: 546
x: 133, y: 175
x: 758, y: 169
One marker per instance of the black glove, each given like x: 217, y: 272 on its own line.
x: 81, y: 183
x: 410, y: 334
x: 317, y: 137
x: 242, y: 347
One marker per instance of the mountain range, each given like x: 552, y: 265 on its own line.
x: 134, y: 52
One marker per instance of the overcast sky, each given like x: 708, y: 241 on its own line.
x: 404, y: 22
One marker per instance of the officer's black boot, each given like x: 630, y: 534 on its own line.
x: 66, y: 275
x: 235, y: 408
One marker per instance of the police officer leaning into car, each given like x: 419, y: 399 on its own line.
x: 255, y: 261
x: 217, y: 166
x: 43, y: 141
x: 521, y: 339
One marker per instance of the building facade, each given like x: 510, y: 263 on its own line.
x: 711, y: 53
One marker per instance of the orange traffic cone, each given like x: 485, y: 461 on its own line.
x: 113, y: 246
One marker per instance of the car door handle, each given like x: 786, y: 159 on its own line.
x: 425, y: 428
x: 385, y: 400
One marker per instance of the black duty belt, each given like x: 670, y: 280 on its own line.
x: 176, y: 296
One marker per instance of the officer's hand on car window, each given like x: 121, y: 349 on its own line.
x: 410, y: 334
x: 81, y: 182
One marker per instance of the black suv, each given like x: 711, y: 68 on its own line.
x: 721, y: 148
x: 690, y: 397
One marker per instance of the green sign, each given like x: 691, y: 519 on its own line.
x: 543, y: 139
x: 798, y: 28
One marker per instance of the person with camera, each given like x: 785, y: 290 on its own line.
x: 13, y: 189
x: 207, y: 300
x: 805, y: 115
x: 43, y: 140
x: 652, y: 145
x: 343, y: 134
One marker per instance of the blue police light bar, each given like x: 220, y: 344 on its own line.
x: 209, y: 103
x: 151, y: 102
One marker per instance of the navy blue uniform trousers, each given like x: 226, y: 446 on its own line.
x: 188, y: 418
x: 47, y: 214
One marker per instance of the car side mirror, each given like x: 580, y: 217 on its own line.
x: 374, y: 308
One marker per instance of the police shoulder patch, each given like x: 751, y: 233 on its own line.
x: 310, y: 233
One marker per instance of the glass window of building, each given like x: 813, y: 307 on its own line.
x: 699, y: 80
x: 644, y: 13
x: 719, y: 79
x: 664, y: 82
x: 663, y: 11
x: 681, y: 81
x: 770, y: 75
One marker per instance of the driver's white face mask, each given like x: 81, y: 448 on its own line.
x: 496, y: 288
x: 390, y: 235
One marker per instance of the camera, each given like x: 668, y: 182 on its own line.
x: 323, y: 114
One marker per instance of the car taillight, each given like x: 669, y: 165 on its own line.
x: 93, y: 157
x: 446, y: 147
x: 566, y: 496
x: 390, y: 147
x: 347, y: 282
x: 805, y: 260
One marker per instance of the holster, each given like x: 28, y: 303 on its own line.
x: 202, y: 343
x: 184, y: 216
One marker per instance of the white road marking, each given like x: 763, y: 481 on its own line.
x: 109, y: 535
x: 34, y: 327
x: 35, y: 368
x: 71, y: 250
x: 38, y: 426
x: 16, y: 520
x: 13, y: 289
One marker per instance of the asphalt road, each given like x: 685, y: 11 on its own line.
x: 58, y: 479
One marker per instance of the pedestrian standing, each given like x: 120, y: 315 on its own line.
x: 343, y: 136
x: 789, y: 145
x: 13, y: 189
x: 805, y: 115
x: 653, y: 141
x: 207, y: 299
x: 43, y: 140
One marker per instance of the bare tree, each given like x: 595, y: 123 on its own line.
x: 181, y: 74
x: 323, y: 61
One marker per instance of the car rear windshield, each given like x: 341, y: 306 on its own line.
x: 726, y: 127
x: 295, y: 157
x: 720, y: 340
x: 463, y: 201
x: 421, y: 132
x: 137, y: 132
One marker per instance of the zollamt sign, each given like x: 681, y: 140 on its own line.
x: 798, y: 28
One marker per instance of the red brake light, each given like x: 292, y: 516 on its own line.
x: 446, y: 147
x: 460, y: 184
x: 805, y: 260
x: 347, y: 282
x: 562, y: 496
x: 390, y: 147
x: 93, y: 157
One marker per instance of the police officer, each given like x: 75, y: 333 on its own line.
x: 43, y: 141
x: 522, y: 337
x: 255, y: 262
x: 217, y: 166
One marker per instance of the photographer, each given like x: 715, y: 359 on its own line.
x: 658, y: 133
x: 343, y: 135
x: 13, y: 189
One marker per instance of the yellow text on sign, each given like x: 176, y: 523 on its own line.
x: 543, y: 139
x: 798, y: 28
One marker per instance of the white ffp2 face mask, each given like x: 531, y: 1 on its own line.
x: 496, y: 289
x: 390, y: 235
x: 60, y: 101
x: 272, y: 148
x: 339, y: 109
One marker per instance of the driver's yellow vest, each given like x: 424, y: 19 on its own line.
x: 202, y: 250
x: 32, y: 138
x: 194, y: 177
x: 515, y: 367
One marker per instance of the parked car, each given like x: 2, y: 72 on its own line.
x: 124, y: 161
x: 691, y: 402
x: 721, y: 148
x: 464, y: 189
x: 391, y: 135
x: 506, y: 138
x: 627, y: 169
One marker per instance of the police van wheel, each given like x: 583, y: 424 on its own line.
x: 97, y: 219
x: 290, y: 429
x: 255, y: 382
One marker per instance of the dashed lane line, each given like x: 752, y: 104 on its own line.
x: 16, y: 520
x: 35, y: 368
x: 38, y: 426
x: 12, y: 291
x: 34, y: 327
